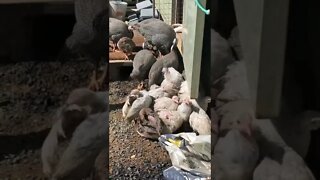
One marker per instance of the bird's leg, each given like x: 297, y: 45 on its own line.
x: 126, y: 57
x: 160, y: 55
x: 93, y: 85
x: 102, y: 77
x: 114, y: 46
x: 140, y: 86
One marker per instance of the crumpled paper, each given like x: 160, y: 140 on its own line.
x: 189, y: 152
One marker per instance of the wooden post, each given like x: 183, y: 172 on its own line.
x: 262, y: 28
x: 193, y: 22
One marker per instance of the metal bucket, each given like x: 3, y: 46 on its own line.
x: 119, y: 9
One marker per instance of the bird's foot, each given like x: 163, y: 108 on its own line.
x: 102, y: 78
x: 94, y: 85
x: 126, y: 57
x: 141, y: 86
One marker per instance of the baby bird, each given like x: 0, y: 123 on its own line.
x: 80, y: 104
x: 185, y: 109
x: 184, y: 93
x: 238, y: 150
x: 200, y: 122
x: 127, y: 105
x: 126, y: 45
x: 236, y: 138
x: 89, y: 139
x: 172, y: 120
x: 134, y: 94
x: 169, y: 88
x: 140, y: 103
x: 166, y: 103
x: 157, y: 92
x: 172, y: 76
x: 149, y: 124
x: 289, y: 166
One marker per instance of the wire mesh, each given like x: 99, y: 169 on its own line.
x: 177, y: 11
x: 165, y: 9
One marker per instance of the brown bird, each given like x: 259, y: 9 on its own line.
x: 126, y: 45
x: 149, y: 124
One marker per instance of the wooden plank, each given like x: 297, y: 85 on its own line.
x: 193, y: 22
x: 249, y: 18
x: 263, y: 42
x: 121, y: 62
x: 272, y: 57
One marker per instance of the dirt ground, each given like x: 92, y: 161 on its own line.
x: 130, y: 155
x: 29, y: 94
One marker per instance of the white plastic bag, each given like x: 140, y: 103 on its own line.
x: 189, y: 152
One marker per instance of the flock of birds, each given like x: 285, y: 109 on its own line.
x: 79, y: 133
x: 77, y: 137
x: 243, y: 147
x: 166, y: 106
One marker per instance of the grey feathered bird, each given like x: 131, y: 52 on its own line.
x: 170, y: 60
x: 89, y: 35
x: 117, y: 30
x: 142, y: 64
x: 126, y: 45
x: 156, y: 33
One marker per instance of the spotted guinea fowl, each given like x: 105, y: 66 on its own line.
x: 142, y: 64
x: 172, y: 59
x: 156, y: 33
x: 89, y: 37
x: 117, y: 30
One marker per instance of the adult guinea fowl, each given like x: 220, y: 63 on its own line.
x: 156, y: 33
x: 117, y: 30
x: 89, y: 35
x: 142, y: 64
x: 172, y: 59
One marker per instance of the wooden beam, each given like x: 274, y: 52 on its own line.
x: 249, y: 18
x: 262, y: 29
x: 193, y: 22
x: 272, y: 57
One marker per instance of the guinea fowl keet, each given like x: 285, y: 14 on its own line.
x: 117, y: 30
x: 126, y: 45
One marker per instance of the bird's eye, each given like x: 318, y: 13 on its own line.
x: 238, y: 121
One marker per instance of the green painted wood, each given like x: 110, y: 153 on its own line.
x: 262, y: 30
x: 193, y: 22
x: 272, y: 57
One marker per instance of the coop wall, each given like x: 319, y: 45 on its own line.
x: 165, y: 9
